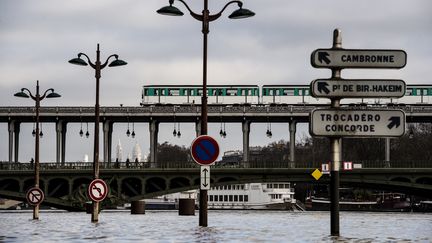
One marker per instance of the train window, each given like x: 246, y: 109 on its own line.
x: 175, y: 92
x: 408, y: 92
x: 231, y: 92
x: 290, y: 92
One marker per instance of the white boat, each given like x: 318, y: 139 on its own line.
x: 273, y: 195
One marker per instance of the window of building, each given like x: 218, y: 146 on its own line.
x: 230, y: 198
x: 211, y: 198
x: 241, y: 198
x: 235, y: 198
x: 225, y: 198
x: 220, y: 198
x: 246, y: 198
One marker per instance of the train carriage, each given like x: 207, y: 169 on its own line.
x: 270, y: 94
x: 191, y: 94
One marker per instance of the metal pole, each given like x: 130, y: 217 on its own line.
x: 387, y: 152
x: 203, y: 217
x: 36, y: 165
x: 95, y: 213
x: 336, y: 144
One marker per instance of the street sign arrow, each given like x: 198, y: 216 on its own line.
x: 322, y: 87
x: 358, y: 88
x: 323, y: 57
x: 357, y: 123
x: 358, y: 58
x: 394, y: 121
x: 205, y: 177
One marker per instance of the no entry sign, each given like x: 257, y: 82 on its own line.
x: 35, y: 196
x: 97, y: 190
x: 205, y: 150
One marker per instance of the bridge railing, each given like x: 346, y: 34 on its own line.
x: 189, y: 164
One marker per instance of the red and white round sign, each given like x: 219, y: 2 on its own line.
x: 35, y: 196
x: 97, y: 190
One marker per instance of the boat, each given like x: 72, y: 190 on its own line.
x: 271, y: 196
x: 382, y: 202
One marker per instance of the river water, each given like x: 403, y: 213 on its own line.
x: 224, y: 226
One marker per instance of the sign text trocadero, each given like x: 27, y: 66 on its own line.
x: 357, y: 123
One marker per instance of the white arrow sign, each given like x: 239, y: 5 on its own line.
x: 205, y: 177
x: 357, y: 123
x: 348, y: 58
x: 357, y: 88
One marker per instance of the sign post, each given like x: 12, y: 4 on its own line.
x: 335, y: 122
x: 204, y: 151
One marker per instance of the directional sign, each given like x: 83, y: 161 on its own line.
x: 357, y: 88
x: 205, y: 150
x: 205, y: 177
x: 35, y: 196
x: 97, y: 190
x: 357, y: 123
x: 348, y: 58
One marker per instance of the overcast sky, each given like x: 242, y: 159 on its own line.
x: 37, y: 38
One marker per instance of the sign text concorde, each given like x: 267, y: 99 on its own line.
x: 353, y: 58
x: 357, y: 123
x: 358, y: 88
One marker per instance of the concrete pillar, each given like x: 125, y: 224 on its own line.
x: 59, y: 129
x: 61, y: 142
x: 154, y: 129
x: 198, y: 128
x: 246, y: 132
x: 292, y: 131
x: 107, y: 130
x: 387, y: 152
x: 16, y: 142
x: 11, y: 129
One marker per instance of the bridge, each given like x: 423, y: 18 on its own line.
x: 65, y: 185
x: 156, y: 114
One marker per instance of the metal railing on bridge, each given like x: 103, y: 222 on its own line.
x: 190, y: 164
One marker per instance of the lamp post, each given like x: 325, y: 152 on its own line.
x: 97, y: 66
x: 26, y: 93
x: 205, y: 18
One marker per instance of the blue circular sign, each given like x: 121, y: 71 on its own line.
x: 205, y: 150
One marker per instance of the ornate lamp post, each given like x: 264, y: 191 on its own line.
x: 97, y: 66
x: 205, y: 18
x: 26, y: 93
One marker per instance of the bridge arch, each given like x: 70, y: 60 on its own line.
x: 155, y: 184
x: 424, y: 180
x: 10, y: 184
x: 401, y: 179
x: 131, y: 186
x: 179, y: 182
x: 58, y: 187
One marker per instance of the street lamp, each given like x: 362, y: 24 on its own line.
x: 26, y: 93
x: 205, y: 18
x: 97, y: 66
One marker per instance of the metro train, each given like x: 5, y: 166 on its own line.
x: 269, y: 95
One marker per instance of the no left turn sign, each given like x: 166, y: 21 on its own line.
x: 97, y: 190
x: 35, y: 196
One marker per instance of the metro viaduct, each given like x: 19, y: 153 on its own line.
x: 65, y: 188
x: 156, y: 114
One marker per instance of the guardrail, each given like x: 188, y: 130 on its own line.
x: 189, y: 164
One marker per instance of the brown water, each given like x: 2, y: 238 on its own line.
x: 224, y: 226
